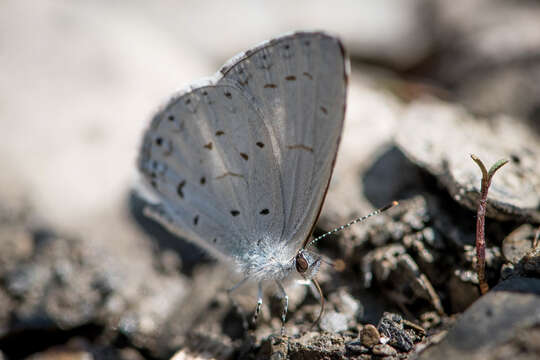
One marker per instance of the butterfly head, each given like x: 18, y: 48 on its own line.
x: 307, y: 263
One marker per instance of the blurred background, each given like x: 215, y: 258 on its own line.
x: 79, y: 81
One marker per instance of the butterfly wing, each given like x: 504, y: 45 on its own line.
x: 300, y: 83
x: 247, y: 156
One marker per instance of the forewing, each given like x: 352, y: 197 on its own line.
x: 299, y: 82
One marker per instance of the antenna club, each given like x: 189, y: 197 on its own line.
x: 389, y: 206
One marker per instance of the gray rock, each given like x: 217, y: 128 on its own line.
x: 356, y: 348
x: 309, y: 345
x: 393, y: 268
x: 531, y: 262
x: 518, y: 243
x: 440, y: 138
x: 391, y: 326
x: 384, y: 350
x: 494, y: 321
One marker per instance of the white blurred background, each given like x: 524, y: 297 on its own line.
x: 80, y: 79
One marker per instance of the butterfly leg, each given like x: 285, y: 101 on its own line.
x: 259, y: 304
x: 235, y: 305
x: 285, y: 306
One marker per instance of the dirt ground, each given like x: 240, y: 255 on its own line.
x: 84, y: 274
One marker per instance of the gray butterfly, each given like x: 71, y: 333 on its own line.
x: 241, y: 162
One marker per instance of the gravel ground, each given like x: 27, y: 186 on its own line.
x: 85, y: 275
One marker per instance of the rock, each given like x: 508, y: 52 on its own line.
x: 330, y: 346
x: 497, y: 320
x: 391, y: 326
x: 531, y: 262
x: 384, y: 350
x: 395, y: 269
x: 356, y: 348
x: 369, y: 336
x: 518, y: 243
x: 443, y: 146
x: 462, y: 291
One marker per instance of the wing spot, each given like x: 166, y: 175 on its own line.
x: 290, y: 78
x: 264, y: 212
x: 228, y: 95
x: 208, y: 146
x: 188, y: 101
x: 203, y: 180
x: 220, y: 132
x: 307, y: 43
x: 196, y: 220
x: 270, y: 86
x: 205, y: 93
x: 308, y: 75
x: 180, y: 188
x: 214, y: 240
x: 286, y: 46
x: 260, y: 144
x: 323, y: 109
x: 228, y: 173
x: 300, y: 147
x: 235, y: 212
x: 244, y: 156
x: 159, y: 141
x: 170, y: 118
x: 154, y: 184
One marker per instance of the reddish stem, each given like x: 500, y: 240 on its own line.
x: 480, y: 220
x: 480, y: 237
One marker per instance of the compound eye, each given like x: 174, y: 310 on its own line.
x: 301, y: 263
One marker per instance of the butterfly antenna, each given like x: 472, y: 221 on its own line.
x: 357, y: 220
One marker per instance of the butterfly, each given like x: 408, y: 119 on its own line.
x: 241, y: 162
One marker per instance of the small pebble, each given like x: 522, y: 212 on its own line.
x: 384, y: 350
x: 369, y: 336
x: 391, y: 326
x: 356, y: 348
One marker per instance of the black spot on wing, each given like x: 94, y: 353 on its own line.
x: 180, y: 188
